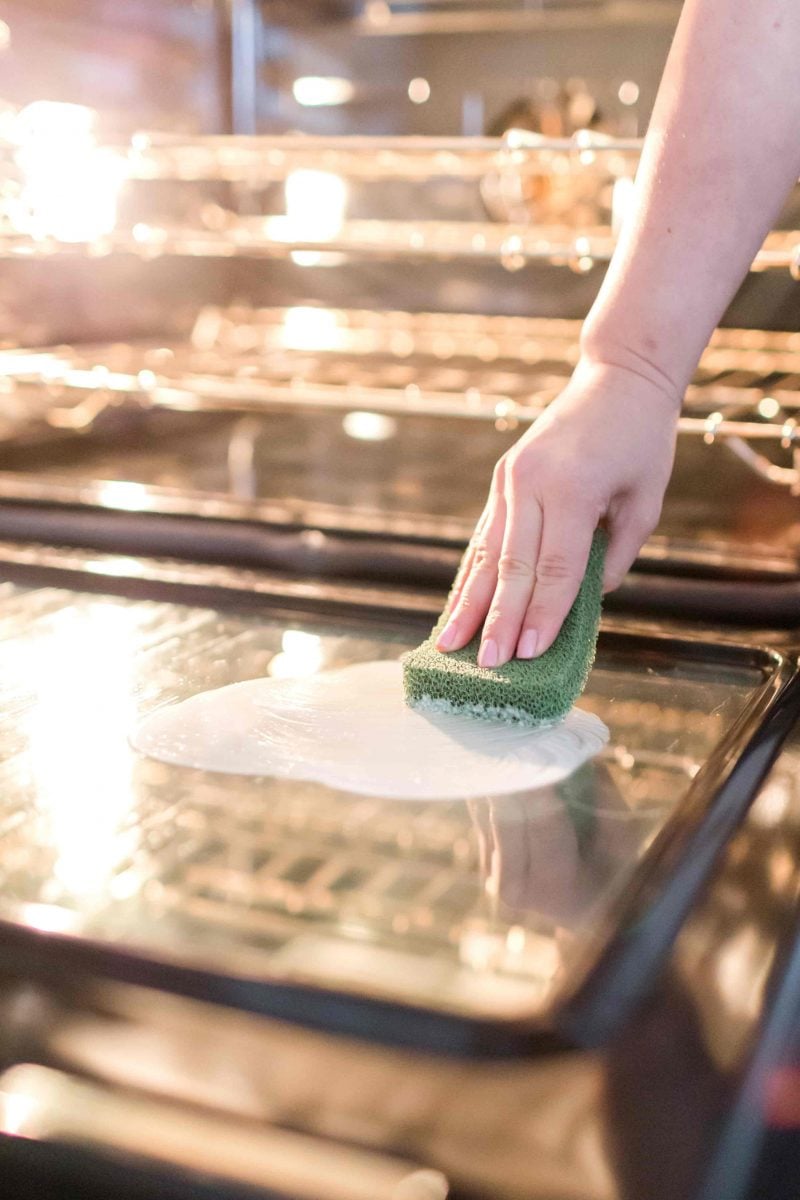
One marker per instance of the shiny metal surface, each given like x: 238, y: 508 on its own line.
x: 52, y: 1107
x: 498, y: 1131
x: 651, y: 1117
x: 485, y: 910
x: 477, y: 16
x: 304, y: 468
x: 157, y: 155
x: 109, y: 865
x: 347, y: 419
x: 574, y: 222
x: 513, y: 246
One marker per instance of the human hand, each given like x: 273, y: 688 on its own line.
x: 603, y: 450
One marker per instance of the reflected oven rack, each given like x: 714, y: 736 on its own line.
x: 663, y: 886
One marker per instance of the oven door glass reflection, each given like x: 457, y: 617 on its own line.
x: 481, y: 909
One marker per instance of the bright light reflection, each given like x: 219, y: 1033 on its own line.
x: 71, y: 186
x: 321, y: 91
x: 480, y: 950
x: 49, y: 918
x: 81, y: 673
x: 16, y: 1110
x: 621, y: 201
x: 114, y: 564
x: 742, y: 965
x: 122, y: 493
x: 5, y: 35
x: 301, y: 655
x: 419, y: 91
x: 306, y: 328
x: 772, y: 804
x: 315, y: 204
x: 369, y: 426
x: 315, y: 210
x: 628, y: 92
x: 769, y: 407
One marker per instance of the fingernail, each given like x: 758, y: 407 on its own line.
x: 527, y: 644
x: 488, y: 654
x: 446, y: 637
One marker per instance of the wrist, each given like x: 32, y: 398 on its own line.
x: 624, y: 371
x: 621, y: 363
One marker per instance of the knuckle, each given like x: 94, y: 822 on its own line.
x: 492, y: 623
x: 649, y: 516
x: 511, y: 567
x: 539, y: 616
x: 485, y: 558
x: 555, y: 569
x: 517, y: 471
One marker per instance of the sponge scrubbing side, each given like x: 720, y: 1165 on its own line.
x: 530, y: 691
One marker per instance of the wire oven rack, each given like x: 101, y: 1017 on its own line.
x: 503, y: 370
x: 415, y: 17
x: 586, y: 159
x: 498, y: 369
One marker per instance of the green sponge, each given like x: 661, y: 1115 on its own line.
x: 527, y: 691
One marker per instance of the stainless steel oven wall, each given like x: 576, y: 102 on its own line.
x: 448, y: 69
x: 479, y: 60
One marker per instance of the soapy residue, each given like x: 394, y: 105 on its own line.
x: 352, y: 730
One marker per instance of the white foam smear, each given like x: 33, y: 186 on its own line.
x: 352, y: 730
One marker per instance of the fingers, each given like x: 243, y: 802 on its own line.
x: 629, y: 530
x: 516, y: 571
x: 468, y: 559
x: 560, y: 567
x: 477, y: 584
x: 525, y: 564
x: 520, y: 575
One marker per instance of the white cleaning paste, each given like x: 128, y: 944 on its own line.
x: 352, y: 730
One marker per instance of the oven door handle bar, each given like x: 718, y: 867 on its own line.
x: 72, y: 1118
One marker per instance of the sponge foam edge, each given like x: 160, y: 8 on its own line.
x: 537, y: 691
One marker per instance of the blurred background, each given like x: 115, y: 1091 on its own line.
x: 442, y: 67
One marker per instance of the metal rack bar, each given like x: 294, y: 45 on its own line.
x: 263, y: 158
x: 274, y: 237
x: 234, y: 330
x: 186, y: 392
x: 387, y: 18
x: 510, y: 245
x: 442, y: 335
x: 243, y: 361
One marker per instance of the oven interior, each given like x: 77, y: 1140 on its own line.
x: 247, y: 423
